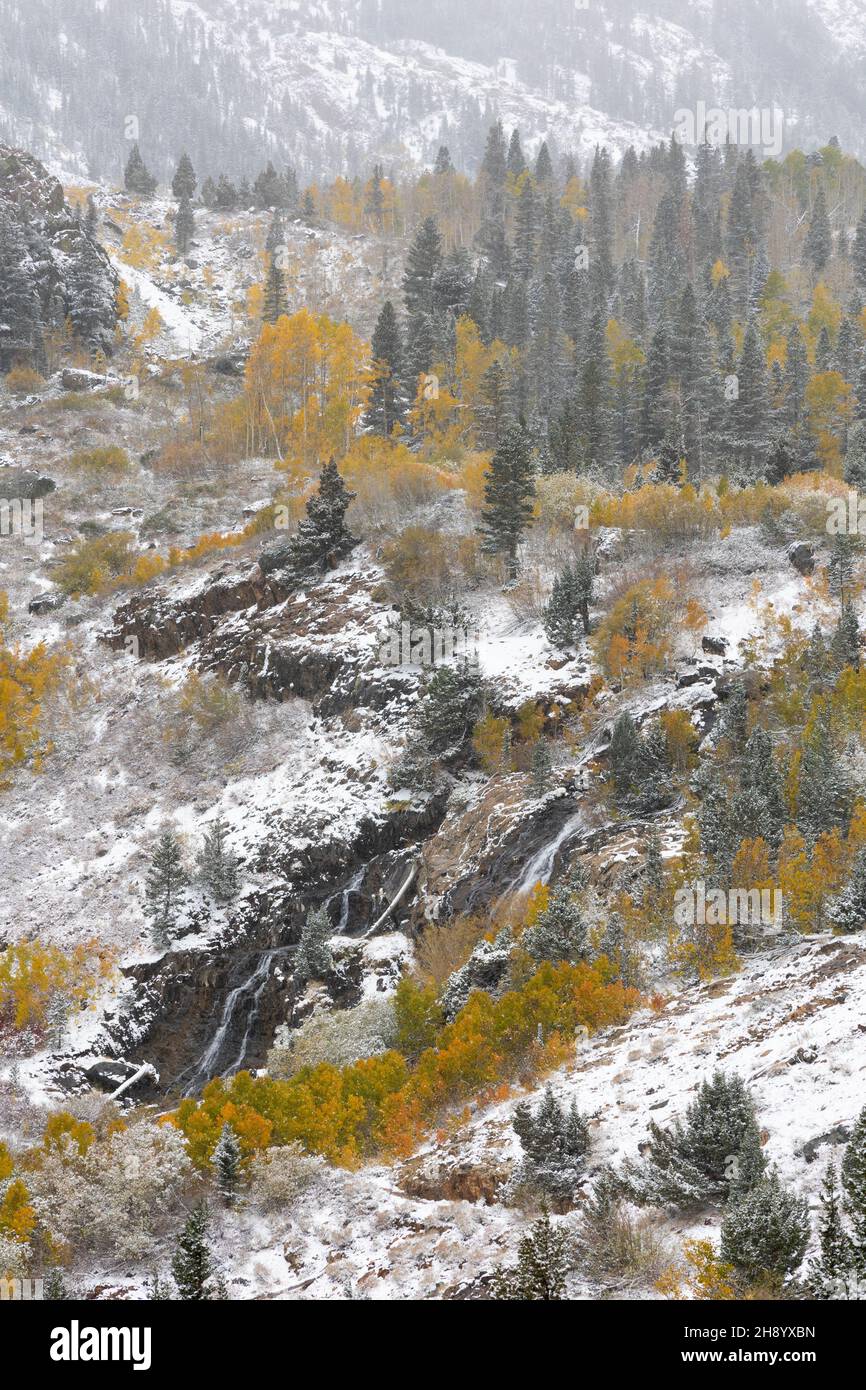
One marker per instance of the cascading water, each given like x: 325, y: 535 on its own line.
x: 540, y: 867
x: 210, y: 1062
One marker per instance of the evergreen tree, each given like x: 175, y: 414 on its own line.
x: 452, y: 703
x: 825, y: 794
x: 387, y: 405
x: 765, y: 1232
x: 829, y: 1277
x: 818, y: 245
x: 54, y: 1288
x: 848, y: 910
x: 854, y: 1189
x: 515, y: 163
x: 275, y: 304
x: 217, y: 866
x: 542, y: 1266
x: 541, y: 767
x: 57, y: 1019
x: 226, y: 1162
x: 192, y: 1264
x: 750, y: 410
x: 543, y: 165
x: 509, y: 490
x: 313, y: 958
x: 423, y: 262
x: 559, y: 933
x: 184, y: 183
x: 845, y: 642
x: 137, y: 177
x: 322, y: 538
x: 209, y: 193
x: 20, y: 312
x: 855, y: 457
x: 443, y: 163
x: 184, y: 226
x: 166, y: 880
x: 555, y: 1142
x: 418, y: 352
x: 858, y: 253
x: 712, y: 1155
x: 92, y: 309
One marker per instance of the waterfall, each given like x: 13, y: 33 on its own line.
x: 251, y: 989
x: 540, y: 867
x: 351, y: 887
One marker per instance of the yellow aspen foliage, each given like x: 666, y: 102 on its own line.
x: 150, y: 329
x: 6, y: 1163
x: 751, y: 865
x: 306, y: 387
x: 26, y: 679
x: 31, y: 973
x: 681, y: 738
x: 488, y: 739
x: 807, y: 881
x: 707, y: 1276
x: 142, y: 246
x: 825, y: 312
x: 121, y: 302
x: 633, y: 639
x: 829, y: 407
x: 17, y: 1217
x: 63, y: 1132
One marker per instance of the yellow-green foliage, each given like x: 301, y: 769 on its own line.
x: 384, y: 1102
x: 31, y: 974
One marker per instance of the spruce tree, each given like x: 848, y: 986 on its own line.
x: 166, y: 880
x: 20, y: 311
x: 858, y: 253
x: 453, y: 701
x: 541, y: 767
x: 217, y: 866
x: 313, y: 958
x: 712, y: 1155
x: 322, y: 538
x: 765, y: 1232
x: 387, y: 405
x: 92, y: 308
x: 555, y: 1142
x: 542, y: 1266
x: 192, y: 1264
x: 226, y: 1162
x: 818, y: 245
x: 559, y: 933
x: 845, y: 642
x: 423, y: 262
x: 184, y: 226
x: 509, y: 490
x: 184, y: 182
x: 854, y: 1189
x: 137, y: 177
x: 848, y: 910
x: 830, y: 1276
x: 275, y: 304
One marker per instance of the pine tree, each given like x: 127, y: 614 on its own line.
x: 559, y: 616
x: 840, y: 570
x: 559, y: 932
x: 712, y: 1155
x: 515, y: 162
x: 555, y: 1142
x: 845, y: 642
x: 164, y: 886
x: 313, y: 958
x: 848, y: 910
x: 830, y: 1276
x: 423, y: 262
x: 854, y: 1189
x: 858, y: 253
x: 226, y: 1162
x: 387, y: 405
x: 750, y: 410
x: 184, y: 183
x: 137, y: 178
x: 765, y: 1232
x: 192, y: 1264
x: 509, y: 490
x: 322, y: 538
x: 217, y: 866
x: 92, y: 307
x: 542, y: 1266
x: 274, y: 305
x: 818, y: 245
x: 54, y: 1288
x: 452, y: 703
x: 184, y: 226
x: 541, y: 767
x: 20, y: 312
